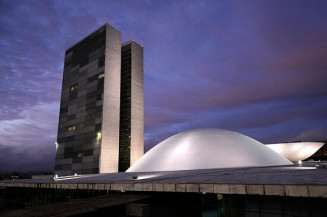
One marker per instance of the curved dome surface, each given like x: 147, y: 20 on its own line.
x: 296, y: 151
x: 206, y: 149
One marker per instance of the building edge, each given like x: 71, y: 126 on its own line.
x: 137, y: 103
x: 108, y: 161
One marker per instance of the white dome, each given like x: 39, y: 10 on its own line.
x: 206, y: 149
x: 296, y: 151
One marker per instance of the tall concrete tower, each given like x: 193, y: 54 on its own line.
x: 101, y: 122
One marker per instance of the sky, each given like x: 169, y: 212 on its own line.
x: 255, y: 67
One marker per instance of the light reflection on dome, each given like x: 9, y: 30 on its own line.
x: 206, y: 149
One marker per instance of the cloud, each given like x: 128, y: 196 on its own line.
x: 267, y: 121
x: 28, y: 144
x: 22, y: 160
x: 312, y: 134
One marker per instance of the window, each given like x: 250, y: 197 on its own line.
x: 95, y: 77
x: 71, y: 128
x: 101, y: 75
x: 73, y: 87
x: 73, y: 92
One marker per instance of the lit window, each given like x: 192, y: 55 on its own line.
x: 98, y: 137
x: 80, y: 154
x: 71, y: 128
x: 101, y: 75
x: 73, y: 87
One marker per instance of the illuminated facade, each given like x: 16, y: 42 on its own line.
x: 321, y: 154
x: 101, y: 105
x: 296, y: 151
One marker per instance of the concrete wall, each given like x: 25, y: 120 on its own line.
x: 137, y: 103
x: 111, y: 103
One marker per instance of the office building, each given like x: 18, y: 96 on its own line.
x: 101, y: 104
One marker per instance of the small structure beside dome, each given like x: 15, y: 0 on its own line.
x: 296, y: 151
x: 207, y: 149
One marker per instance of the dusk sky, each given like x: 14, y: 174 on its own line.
x: 254, y: 67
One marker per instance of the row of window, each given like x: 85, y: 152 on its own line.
x: 73, y: 127
x: 77, y: 171
x: 82, y: 50
x: 125, y: 112
x: 95, y: 77
x: 69, y: 153
x: 91, y: 97
x: 89, y: 120
x: 90, y: 103
x: 81, y: 142
x: 66, y: 139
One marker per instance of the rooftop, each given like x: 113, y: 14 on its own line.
x: 299, y: 180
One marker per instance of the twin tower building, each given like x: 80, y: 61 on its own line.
x: 101, y: 120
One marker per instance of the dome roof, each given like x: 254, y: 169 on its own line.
x: 296, y: 151
x: 206, y: 149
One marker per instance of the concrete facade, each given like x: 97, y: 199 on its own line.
x: 111, y: 104
x: 89, y: 120
x: 137, y: 104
